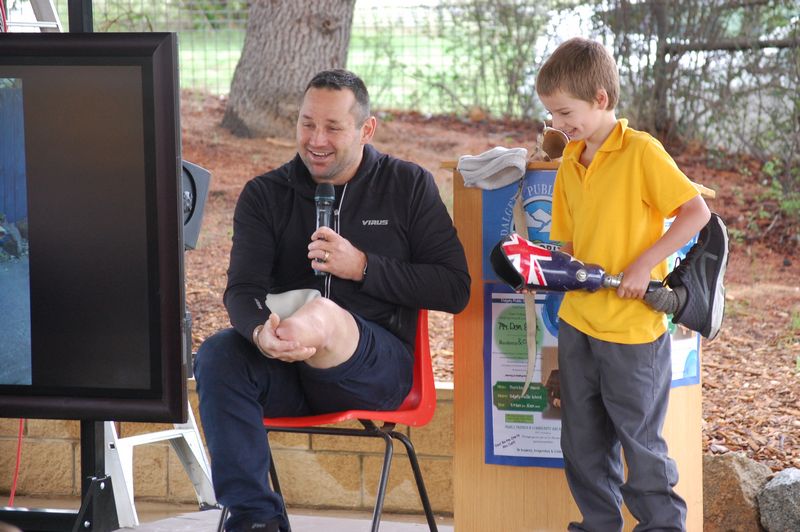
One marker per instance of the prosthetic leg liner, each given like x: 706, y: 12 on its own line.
x: 493, y: 169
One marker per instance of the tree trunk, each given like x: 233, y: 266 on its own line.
x: 660, y: 120
x: 286, y: 43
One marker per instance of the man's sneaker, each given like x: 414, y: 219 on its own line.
x: 257, y: 526
x: 701, y: 274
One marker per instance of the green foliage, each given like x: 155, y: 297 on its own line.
x: 216, y: 14
x: 376, y: 57
x: 737, y: 308
x: 125, y: 15
x: 493, y: 54
x: 119, y: 15
x: 785, y: 185
x: 719, y: 159
x: 738, y: 195
x: 791, y: 205
x: 722, y: 72
x: 736, y: 235
x: 454, y: 56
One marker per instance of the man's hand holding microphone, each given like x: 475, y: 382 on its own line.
x: 328, y: 251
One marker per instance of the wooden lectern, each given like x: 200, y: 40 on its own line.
x: 512, y: 498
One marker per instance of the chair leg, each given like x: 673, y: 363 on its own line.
x: 222, y: 517
x: 276, y: 487
x: 423, y: 493
x: 387, y: 464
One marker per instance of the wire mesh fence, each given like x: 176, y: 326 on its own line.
x: 413, y: 54
x: 453, y: 56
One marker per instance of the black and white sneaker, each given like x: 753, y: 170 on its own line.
x: 699, y: 279
x: 257, y: 526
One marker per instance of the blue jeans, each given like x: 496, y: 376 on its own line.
x: 238, y: 386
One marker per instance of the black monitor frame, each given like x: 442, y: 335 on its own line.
x: 166, y: 398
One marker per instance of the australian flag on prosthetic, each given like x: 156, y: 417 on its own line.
x: 525, y: 266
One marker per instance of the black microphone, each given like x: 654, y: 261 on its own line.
x: 324, y: 198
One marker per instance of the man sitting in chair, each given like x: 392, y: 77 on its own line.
x: 391, y: 249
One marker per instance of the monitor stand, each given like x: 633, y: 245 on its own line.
x: 97, y: 513
x: 104, y: 455
x: 187, y: 444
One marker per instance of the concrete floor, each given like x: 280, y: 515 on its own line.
x: 328, y: 521
x: 166, y: 517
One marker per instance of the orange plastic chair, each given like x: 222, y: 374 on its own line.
x: 416, y: 410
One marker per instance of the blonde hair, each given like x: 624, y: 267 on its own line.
x: 580, y: 67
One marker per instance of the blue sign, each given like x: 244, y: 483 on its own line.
x: 498, y: 213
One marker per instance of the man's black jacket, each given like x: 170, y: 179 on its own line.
x: 391, y: 210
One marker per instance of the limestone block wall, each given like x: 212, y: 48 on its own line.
x: 315, y: 471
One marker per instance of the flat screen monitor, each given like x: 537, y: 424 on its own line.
x: 91, y: 250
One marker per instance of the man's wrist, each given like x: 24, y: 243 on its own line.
x: 364, y: 270
x: 256, y: 332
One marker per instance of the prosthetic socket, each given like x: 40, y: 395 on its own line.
x: 526, y: 266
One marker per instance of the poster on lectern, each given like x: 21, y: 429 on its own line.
x: 521, y: 428
x: 525, y: 429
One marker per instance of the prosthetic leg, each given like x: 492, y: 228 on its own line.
x: 694, y: 292
x: 525, y: 266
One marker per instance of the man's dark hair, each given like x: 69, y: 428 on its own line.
x: 339, y: 79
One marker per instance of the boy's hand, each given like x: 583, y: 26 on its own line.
x: 635, y: 280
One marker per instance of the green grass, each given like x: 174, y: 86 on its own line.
x: 207, y: 59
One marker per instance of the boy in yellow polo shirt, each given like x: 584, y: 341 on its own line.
x: 614, y: 189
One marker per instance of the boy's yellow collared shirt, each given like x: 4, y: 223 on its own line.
x: 613, y: 211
